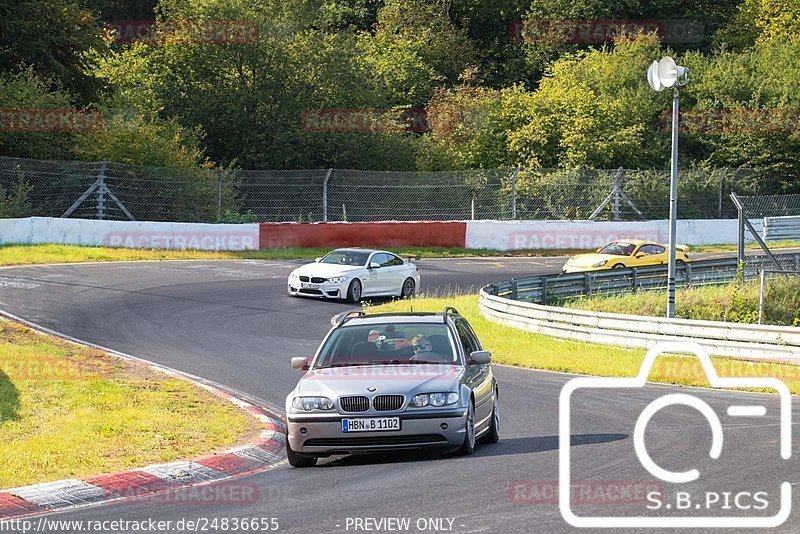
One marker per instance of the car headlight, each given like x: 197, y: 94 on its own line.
x: 434, y: 399
x: 600, y: 263
x: 337, y: 279
x: 309, y: 404
x: 293, y: 275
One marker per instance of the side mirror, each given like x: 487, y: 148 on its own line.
x: 317, y: 260
x: 300, y: 363
x: 480, y: 357
x: 599, y: 249
x: 374, y: 265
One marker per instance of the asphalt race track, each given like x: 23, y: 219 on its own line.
x: 232, y: 322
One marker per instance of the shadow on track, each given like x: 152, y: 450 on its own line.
x: 505, y: 447
x: 510, y: 446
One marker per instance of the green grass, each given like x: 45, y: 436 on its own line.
x: 67, y: 411
x: 749, y: 246
x: 735, y: 302
x: 35, y: 254
x: 512, y: 346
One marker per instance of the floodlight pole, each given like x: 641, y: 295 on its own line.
x: 673, y: 204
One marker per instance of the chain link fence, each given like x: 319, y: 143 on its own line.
x: 760, y: 206
x: 108, y: 190
x: 773, y: 217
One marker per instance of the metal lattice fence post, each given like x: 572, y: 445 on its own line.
x: 101, y: 190
x: 219, y: 194
x: 325, y: 195
x: 514, y: 193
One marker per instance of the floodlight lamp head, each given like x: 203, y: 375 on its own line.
x: 665, y: 74
x: 652, y: 77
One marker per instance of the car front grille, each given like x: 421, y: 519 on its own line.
x: 357, y: 403
x: 385, y: 403
x: 317, y: 279
x: 304, y: 279
x: 376, y: 441
x: 308, y: 291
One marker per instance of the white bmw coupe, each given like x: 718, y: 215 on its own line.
x: 354, y: 273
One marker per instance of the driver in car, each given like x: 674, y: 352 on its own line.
x: 423, y: 348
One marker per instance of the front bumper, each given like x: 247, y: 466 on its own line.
x: 323, y: 433
x: 569, y: 269
x: 325, y: 290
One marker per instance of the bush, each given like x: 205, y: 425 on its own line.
x: 15, y: 202
x: 234, y: 217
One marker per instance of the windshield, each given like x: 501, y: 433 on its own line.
x: 346, y: 257
x: 618, y: 249
x: 387, y: 344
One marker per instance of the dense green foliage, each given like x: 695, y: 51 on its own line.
x: 495, y: 92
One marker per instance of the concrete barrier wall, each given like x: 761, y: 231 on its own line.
x: 511, y: 235
x: 500, y: 235
x: 129, y: 234
x: 367, y: 234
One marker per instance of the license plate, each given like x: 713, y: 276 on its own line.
x: 309, y: 286
x: 370, y: 424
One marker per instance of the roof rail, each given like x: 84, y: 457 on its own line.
x: 341, y: 318
x: 448, y: 310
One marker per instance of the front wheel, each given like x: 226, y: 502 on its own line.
x: 468, y: 447
x: 408, y: 289
x: 493, y: 434
x: 296, y: 460
x: 354, y: 291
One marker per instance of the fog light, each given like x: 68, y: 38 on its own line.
x: 444, y: 426
x: 303, y: 430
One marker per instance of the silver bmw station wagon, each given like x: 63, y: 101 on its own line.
x: 393, y: 381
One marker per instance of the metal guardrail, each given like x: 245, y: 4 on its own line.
x: 518, y: 303
x: 781, y: 227
x: 558, y: 287
x: 747, y: 341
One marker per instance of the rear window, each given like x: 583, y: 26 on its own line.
x: 387, y: 344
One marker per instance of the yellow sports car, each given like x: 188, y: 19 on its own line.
x: 626, y: 253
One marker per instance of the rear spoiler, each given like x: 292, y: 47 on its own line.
x: 684, y: 248
x: 409, y: 257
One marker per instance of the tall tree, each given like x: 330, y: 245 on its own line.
x: 53, y: 37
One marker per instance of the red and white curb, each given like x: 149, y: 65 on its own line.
x: 268, y: 451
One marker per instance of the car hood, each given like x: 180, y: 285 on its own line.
x: 587, y: 260
x: 400, y: 379
x: 325, y: 270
